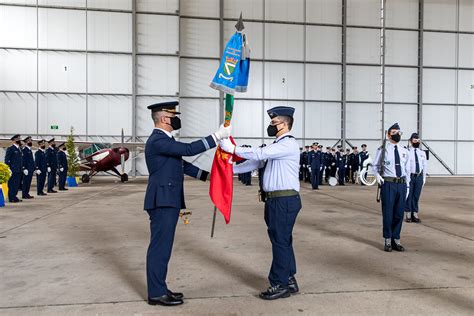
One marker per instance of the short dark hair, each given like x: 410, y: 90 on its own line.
x: 288, y: 119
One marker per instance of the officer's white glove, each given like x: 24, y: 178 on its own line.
x: 223, y: 132
x: 408, y: 193
x: 25, y: 172
x: 49, y: 169
x: 320, y: 168
x: 309, y: 168
x: 227, y: 145
x: 38, y: 172
x: 61, y: 169
x: 380, y: 180
x: 333, y: 164
x: 424, y: 181
x: 345, y: 166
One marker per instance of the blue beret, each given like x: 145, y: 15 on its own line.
x: 15, y: 136
x: 281, y: 111
x: 414, y: 135
x: 394, y: 126
x: 169, y: 106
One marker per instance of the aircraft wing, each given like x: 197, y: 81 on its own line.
x: 80, y: 145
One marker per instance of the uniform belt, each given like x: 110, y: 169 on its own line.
x: 415, y: 174
x: 280, y: 193
x: 395, y: 180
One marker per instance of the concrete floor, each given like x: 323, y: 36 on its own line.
x: 83, y: 252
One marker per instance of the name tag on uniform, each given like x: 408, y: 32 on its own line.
x: 387, y: 162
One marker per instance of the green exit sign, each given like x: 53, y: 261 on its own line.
x: 54, y: 127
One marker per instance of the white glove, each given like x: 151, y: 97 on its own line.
x: 25, y: 172
x: 227, y: 145
x: 49, y: 169
x: 320, y: 168
x: 309, y: 168
x: 223, y: 132
x: 38, y: 172
x: 333, y: 164
x: 61, y: 169
x: 345, y: 166
x: 408, y: 193
x: 424, y: 181
x: 380, y: 180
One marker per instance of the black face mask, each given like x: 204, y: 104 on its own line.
x: 175, y: 123
x: 53, y: 145
x: 272, y: 130
x: 416, y: 145
x: 43, y: 147
x: 18, y: 142
x: 396, y: 138
x: 30, y: 144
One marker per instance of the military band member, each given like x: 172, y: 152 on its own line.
x: 40, y: 167
x: 164, y: 196
x: 281, y: 195
x: 62, y: 167
x: 29, y: 166
x: 51, y: 165
x: 393, y: 175
x: 419, y: 167
x: 14, y: 160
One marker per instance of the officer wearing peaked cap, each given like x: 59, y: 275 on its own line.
x: 393, y: 175
x: 41, y: 168
x: 14, y: 160
x: 51, y: 164
x: 28, y: 168
x: 419, y: 166
x: 62, y: 167
x: 164, y: 196
x: 281, y: 187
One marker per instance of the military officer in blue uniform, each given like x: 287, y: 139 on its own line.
x: 51, y: 164
x: 14, y: 160
x: 281, y: 188
x: 321, y: 167
x: 29, y: 166
x: 315, y: 163
x: 419, y: 168
x: 363, y: 156
x: 340, y: 165
x: 393, y: 175
x: 62, y: 167
x: 164, y: 196
x: 40, y: 167
x: 353, y: 164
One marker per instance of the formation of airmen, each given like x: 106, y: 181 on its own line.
x: 46, y: 163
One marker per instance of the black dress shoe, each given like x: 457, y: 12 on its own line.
x: 415, y: 219
x: 293, y: 285
x: 165, y: 300
x: 52, y: 191
x: 41, y: 193
x: 176, y: 295
x: 397, y: 247
x: 387, y: 248
x: 64, y: 189
x: 408, y: 219
x: 275, y: 292
x: 28, y: 197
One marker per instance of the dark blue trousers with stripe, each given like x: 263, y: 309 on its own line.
x: 393, y: 196
x: 416, y: 185
x: 280, y: 217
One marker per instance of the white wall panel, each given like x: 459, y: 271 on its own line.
x: 363, y: 45
x: 323, y: 82
x: 283, y: 80
x: 401, y: 13
x: 166, y: 6
x: 157, y: 34
x: 62, y: 3
x: 297, y: 130
x: 465, y: 87
x: 18, y: 113
x: 440, y: 15
x: 403, y: 114
x: 445, y: 150
x: 110, y: 4
x: 251, y: 9
x: 284, y: 42
x: 439, y: 49
x: 62, y: 72
x: 363, y: 83
x: 107, y: 115
x: 109, y: 31
x: 363, y: 120
x: 207, y: 8
x: 110, y: 73
x: 324, y: 11
x: 17, y: 70
x: 157, y: 75
x: 323, y: 43
x: 18, y: 27
x: 465, y: 157
x: 255, y: 87
x: 200, y: 117
x: 439, y: 86
x: 322, y: 120
x: 284, y: 10
x: 401, y: 47
x: 199, y: 38
x: 144, y: 122
x: 63, y: 110
x: 439, y: 122
x: 195, y: 77
x: 401, y: 84
x: 30, y: 2
x: 62, y: 29
x: 465, y: 119
x: 466, y: 50
x: 363, y: 12
x: 254, y: 33
x: 247, y: 119
x: 466, y: 14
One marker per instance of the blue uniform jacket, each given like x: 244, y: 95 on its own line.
x: 315, y: 159
x: 40, y: 161
x: 166, y: 169
x: 13, y: 158
x: 62, y: 160
x: 51, y: 158
x: 28, y: 161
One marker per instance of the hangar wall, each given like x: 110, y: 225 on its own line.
x: 97, y: 64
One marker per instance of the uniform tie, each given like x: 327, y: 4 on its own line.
x: 398, y: 167
x: 417, y: 168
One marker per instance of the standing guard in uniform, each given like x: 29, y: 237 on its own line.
x: 306, y: 175
x: 52, y: 165
x: 41, y: 168
x: 419, y: 167
x: 315, y: 162
x: 321, y: 167
x: 281, y: 195
x: 62, y: 167
x: 29, y: 166
x: 392, y: 170
x: 345, y: 158
x: 14, y: 160
x: 164, y: 196
x: 354, y: 164
x: 340, y: 165
x: 363, y: 156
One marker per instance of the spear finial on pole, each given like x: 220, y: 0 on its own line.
x: 240, y: 24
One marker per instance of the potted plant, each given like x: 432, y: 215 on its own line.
x: 5, y: 175
x: 72, y: 160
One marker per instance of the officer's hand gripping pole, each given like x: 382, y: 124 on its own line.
x: 381, y: 165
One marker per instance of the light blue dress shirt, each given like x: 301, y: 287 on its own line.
x: 389, y: 163
x: 421, y: 160
x: 283, y: 163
